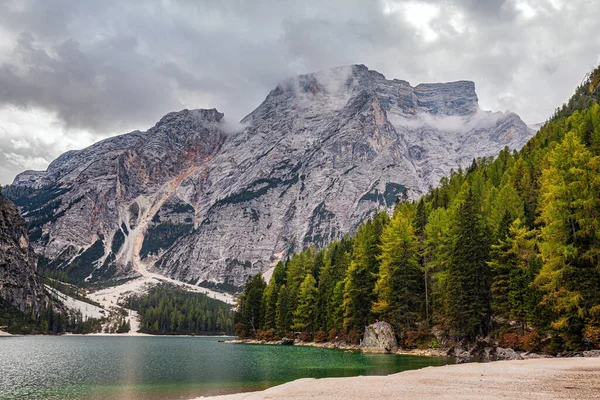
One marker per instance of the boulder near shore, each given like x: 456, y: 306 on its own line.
x: 379, y: 338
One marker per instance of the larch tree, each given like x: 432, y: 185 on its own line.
x: 305, y: 313
x: 399, y: 289
x: 570, y: 235
x: 362, y: 274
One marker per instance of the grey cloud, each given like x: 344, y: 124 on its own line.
x: 107, y: 67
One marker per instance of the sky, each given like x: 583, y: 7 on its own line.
x: 74, y: 72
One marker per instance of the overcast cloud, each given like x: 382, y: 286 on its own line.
x: 74, y: 72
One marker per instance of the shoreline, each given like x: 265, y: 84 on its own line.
x: 459, y: 354
x: 556, y: 378
x: 323, y: 345
x: 136, y: 334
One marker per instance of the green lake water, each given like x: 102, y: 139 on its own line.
x: 149, y: 368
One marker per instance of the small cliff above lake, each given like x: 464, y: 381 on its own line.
x: 19, y: 285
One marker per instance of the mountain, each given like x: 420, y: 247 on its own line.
x: 194, y: 201
x: 19, y: 284
x: 512, y: 254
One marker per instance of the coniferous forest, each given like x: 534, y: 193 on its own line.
x: 52, y: 319
x: 169, y: 310
x: 508, y: 248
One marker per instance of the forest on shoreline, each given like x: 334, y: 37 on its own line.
x: 507, y: 249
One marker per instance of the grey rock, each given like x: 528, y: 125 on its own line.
x: 198, y: 201
x: 19, y: 284
x: 507, y: 354
x: 529, y: 355
x: 570, y: 354
x: 489, y: 353
x: 463, y: 358
x: 379, y: 338
x: 591, y: 353
x: 286, y: 341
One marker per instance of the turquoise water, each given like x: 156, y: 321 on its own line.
x: 149, y: 368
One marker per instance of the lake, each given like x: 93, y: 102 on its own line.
x: 160, y: 367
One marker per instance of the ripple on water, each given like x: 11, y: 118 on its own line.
x: 151, y: 367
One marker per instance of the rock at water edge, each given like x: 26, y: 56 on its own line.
x: 379, y: 338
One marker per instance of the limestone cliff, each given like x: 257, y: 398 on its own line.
x: 195, y: 201
x: 19, y: 284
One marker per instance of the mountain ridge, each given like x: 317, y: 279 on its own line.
x: 202, y: 203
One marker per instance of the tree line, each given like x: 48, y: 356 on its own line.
x: 51, y: 319
x: 169, y: 310
x: 508, y: 248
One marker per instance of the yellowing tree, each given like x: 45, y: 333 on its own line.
x: 570, y: 203
x: 399, y: 289
x: 304, y: 315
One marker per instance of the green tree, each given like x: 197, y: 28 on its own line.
x: 438, y: 244
x: 513, y: 264
x: 271, y: 295
x: 335, y: 264
x: 304, y: 314
x: 249, y: 316
x: 400, y: 285
x: 283, y: 313
x: 468, y: 307
x: 570, y: 200
x: 362, y: 274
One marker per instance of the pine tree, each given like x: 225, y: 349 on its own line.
x: 296, y: 269
x: 468, y: 306
x: 420, y: 223
x: 304, y: 314
x: 269, y: 303
x: 522, y: 180
x: 502, y: 261
x: 283, y: 313
x: 437, y: 252
x: 362, y: 274
x: 513, y: 263
x: 336, y: 307
x: 505, y: 201
x: 336, y: 261
x: 400, y: 285
x: 271, y: 295
x: 250, y: 307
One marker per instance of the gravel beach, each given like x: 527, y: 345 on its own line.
x: 556, y: 378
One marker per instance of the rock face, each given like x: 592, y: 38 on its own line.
x: 379, y: 338
x: 19, y: 285
x: 94, y: 212
x: 192, y: 200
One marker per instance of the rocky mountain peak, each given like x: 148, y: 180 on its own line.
x: 452, y: 98
x: 347, y: 86
x: 180, y: 126
x: 315, y: 159
x: 197, y: 116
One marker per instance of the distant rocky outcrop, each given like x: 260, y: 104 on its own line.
x: 379, y: 338
x: 19, y: 285
x: 201, y: 201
